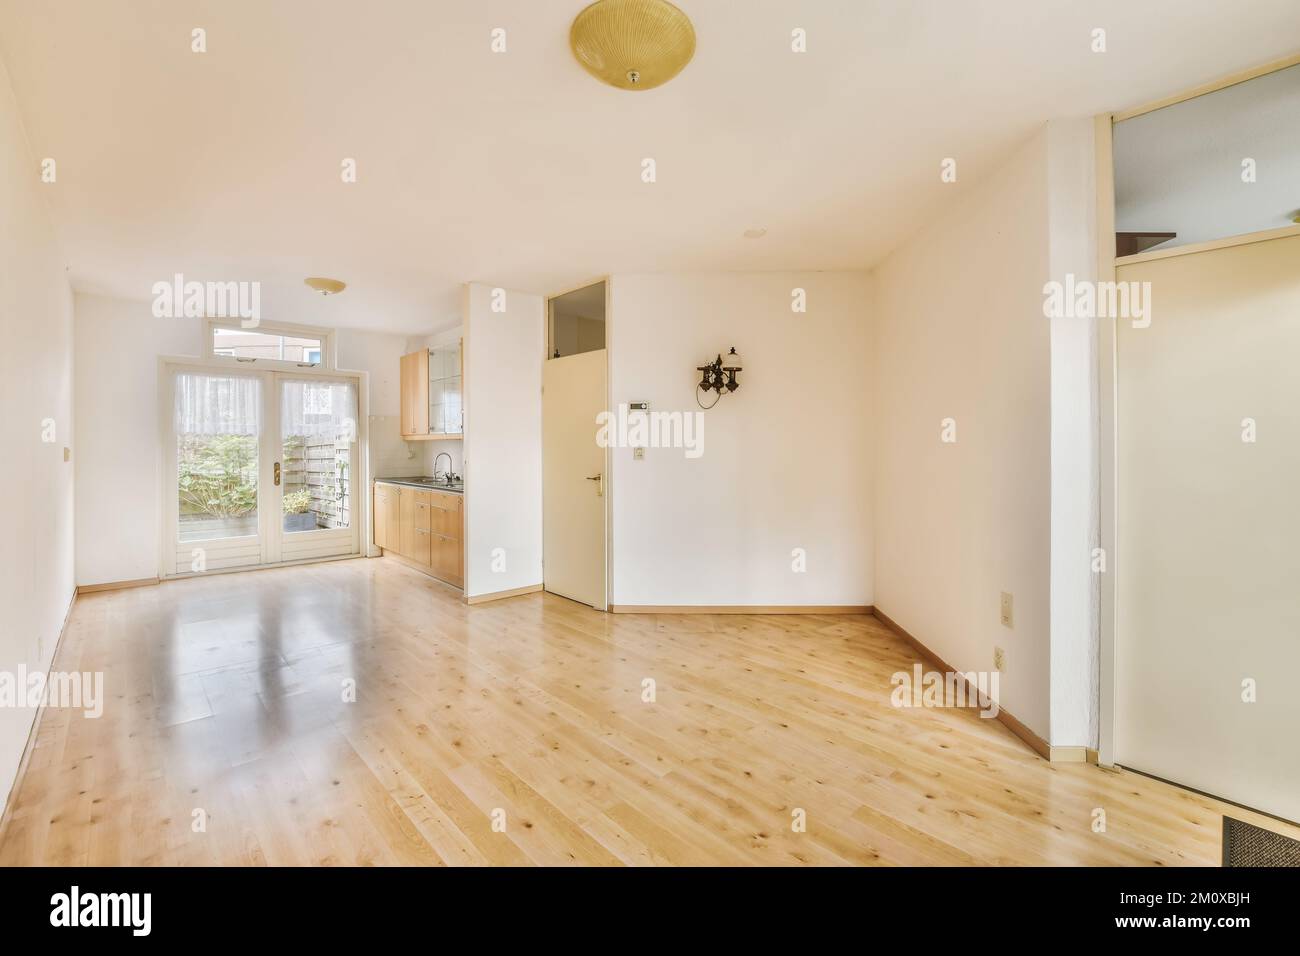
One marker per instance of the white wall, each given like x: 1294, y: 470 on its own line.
x: 118, y: 491
x: 503, y: 440
x: 1075, y: 588
x: 961, y: 335
x: 786, y: 459
x: 36, y: 556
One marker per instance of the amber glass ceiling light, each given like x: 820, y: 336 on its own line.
x: 633, y: 44
x: 325, y: 286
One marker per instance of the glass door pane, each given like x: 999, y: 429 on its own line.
x: 217, y: 428
x: 451, y: 405
x: 318, y: 432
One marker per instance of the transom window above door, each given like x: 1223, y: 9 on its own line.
x: 268, y: 346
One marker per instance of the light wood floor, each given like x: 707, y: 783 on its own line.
x: 224, y: 695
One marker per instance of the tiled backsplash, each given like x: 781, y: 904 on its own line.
x: 392, y: 457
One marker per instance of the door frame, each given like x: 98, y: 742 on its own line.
x: 1109, y: 636
x: 607, y: 482
x: 352, y: 534
x: 1107, y: 442
x: 271, y: 544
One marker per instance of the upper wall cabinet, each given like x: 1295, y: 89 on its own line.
x: 415, y: 391
x: 431, y: 394
x: 445, y: 414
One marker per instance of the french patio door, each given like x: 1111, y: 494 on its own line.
x: 261, y: 469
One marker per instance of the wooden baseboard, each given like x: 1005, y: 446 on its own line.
x: 1069, y: 755
x: 499, y: 595
x: 116, y: 585
x: 6, y: 808
x: 740, y: 608
x: 1036, y: 743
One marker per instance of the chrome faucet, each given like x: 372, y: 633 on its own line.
x: 438, y: 458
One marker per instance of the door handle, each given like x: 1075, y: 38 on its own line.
x: 277, y: 474
x: 600, y: 484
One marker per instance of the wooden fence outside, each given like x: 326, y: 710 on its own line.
x: 322, y: 466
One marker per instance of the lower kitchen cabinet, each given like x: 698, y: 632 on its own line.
x: 424, y: 528
x: 387, y: 509
x: 447, y: 555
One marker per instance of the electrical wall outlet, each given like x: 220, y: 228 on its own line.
x: 638, y: 454
x: 1008, y: 617
x: 999, y: 659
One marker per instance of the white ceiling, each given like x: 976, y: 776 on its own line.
x: 520, y: 169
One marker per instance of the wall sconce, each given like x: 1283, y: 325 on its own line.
x: 718, y: 376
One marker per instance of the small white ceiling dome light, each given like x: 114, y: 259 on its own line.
x: 325, y: 286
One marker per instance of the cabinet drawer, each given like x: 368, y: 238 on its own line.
x: 446, y: 523
x: 422, y: 509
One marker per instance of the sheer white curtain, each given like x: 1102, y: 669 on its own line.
x: 208, y: 404
x: 320, y: 410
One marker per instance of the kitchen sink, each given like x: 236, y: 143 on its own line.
x: 438, y: 484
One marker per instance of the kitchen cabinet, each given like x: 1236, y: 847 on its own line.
x: 415, y: 396
x: 446, y: 416
x: 424, y: 528
x: 447, y: 553
x: 445, y: 559
x: 387, y: 516
x: 414, y: 536
x: 431, y: 394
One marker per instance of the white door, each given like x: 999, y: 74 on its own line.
x: 1208, y: 629
x: 573, y: 478
x: 259, y: 469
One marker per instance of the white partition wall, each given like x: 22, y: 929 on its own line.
x: 504, y: 347
x: 961, y: 336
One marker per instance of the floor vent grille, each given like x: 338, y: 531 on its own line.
x: 1245, y: 844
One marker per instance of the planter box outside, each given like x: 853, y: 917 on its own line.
x: 301, y: 522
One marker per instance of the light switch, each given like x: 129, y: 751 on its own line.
x: 1008, y: 619
x: 638, y: 454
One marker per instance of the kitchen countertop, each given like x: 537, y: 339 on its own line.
x: 424, y: 484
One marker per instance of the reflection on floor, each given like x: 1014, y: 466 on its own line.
x: 226, y: 738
